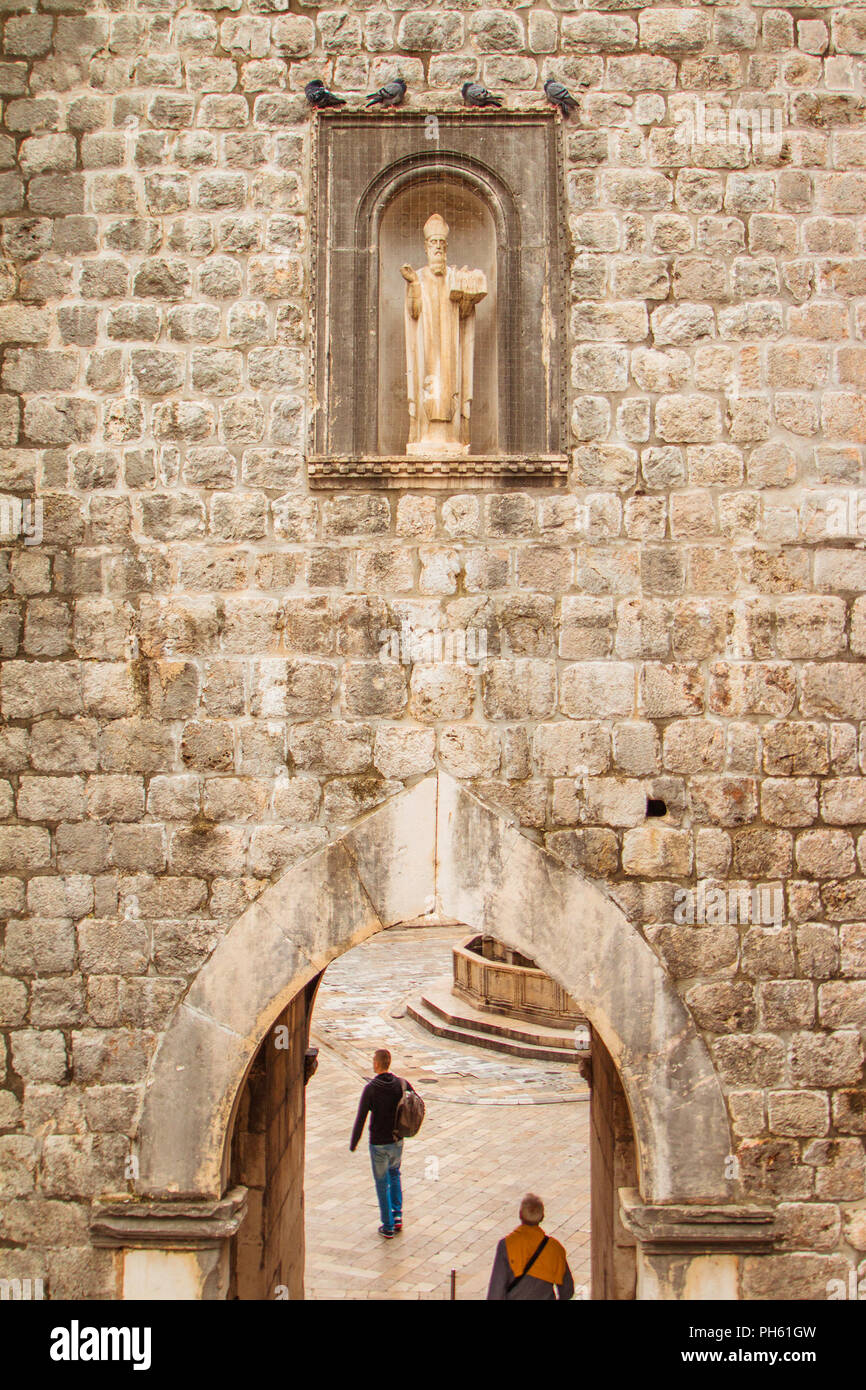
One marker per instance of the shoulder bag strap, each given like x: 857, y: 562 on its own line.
x: 514, y: 1282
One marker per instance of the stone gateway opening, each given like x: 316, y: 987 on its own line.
x: 270, y: 1155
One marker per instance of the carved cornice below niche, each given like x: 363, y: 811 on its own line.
x: 472, y: 471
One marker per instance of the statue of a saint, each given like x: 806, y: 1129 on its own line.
x: 440, y: 346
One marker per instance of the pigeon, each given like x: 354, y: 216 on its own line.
x: 560, y: 97
x: 318, y: 95
x: 390, y: 95
x: 476, y: 95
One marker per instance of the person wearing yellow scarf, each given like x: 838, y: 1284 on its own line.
x: 530, y: 1265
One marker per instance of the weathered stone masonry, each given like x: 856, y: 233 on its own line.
x: 191, y: 691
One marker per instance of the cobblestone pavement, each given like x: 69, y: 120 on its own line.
x: 495, y: 1128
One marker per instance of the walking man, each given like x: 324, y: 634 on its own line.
x: 379, y: 1099
x: 529, y: 1264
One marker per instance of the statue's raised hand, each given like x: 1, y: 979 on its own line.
x: 409, y: 274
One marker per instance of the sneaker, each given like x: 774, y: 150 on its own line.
x: 398, y: 1224
x: 389, y: 1235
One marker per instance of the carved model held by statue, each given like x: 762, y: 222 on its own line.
x: 440, y: 346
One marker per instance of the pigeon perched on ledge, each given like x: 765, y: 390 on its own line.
x: 559, y: 97
x: 318, y: 95
x: 391, y: 94
x: 476, y: 95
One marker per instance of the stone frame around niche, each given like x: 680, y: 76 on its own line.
x: 512, y: 163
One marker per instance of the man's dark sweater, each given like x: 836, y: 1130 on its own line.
x: 379, y: 1099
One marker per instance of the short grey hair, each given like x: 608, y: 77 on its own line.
x: 531, y: 1210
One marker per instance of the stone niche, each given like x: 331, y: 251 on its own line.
x: 495, y: 180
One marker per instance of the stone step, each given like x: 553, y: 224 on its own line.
x: 435, y: 1024
x: 440, y: 996
x: 442, y: 1013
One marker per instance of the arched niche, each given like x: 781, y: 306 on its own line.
x: 496, y: 180
x: 388, y: 233
x: 472, y: 242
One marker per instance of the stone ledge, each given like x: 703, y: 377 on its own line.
x: 662, y: 1229
x: 168, y: 1225
x: 545, y: 470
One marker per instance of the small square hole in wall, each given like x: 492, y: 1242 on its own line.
x: 656, y: 807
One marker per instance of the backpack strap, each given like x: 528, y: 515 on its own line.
x: 514, y: 1282
x: 399, y: 1103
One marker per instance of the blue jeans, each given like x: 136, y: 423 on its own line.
x: 385, y: 1159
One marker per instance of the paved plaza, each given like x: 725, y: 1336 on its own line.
x: 496, y: 1126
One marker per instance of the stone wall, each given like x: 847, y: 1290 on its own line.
x: 192, y: 692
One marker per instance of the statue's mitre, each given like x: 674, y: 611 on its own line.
x: 435, y: 226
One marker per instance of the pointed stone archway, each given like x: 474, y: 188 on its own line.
x: 436, y: 851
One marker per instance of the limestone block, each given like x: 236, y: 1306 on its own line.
x: 434, y: 33
x: 332, y: 746
x: 76, y: 1165
x: 593, y: 851
x: 441, y: 691
x: 39, y: 945
x: 669, y: 690
x: 696, y: 950
x: 597, y: 690
x: 842, y: 1003
x: 209, y: 850
x: 841, y: 1168
x: 843, y: 801
x: 38, y: 1055
x: 497, y: 31
x: 296, y: 688
x: 521, y: 689
x: 723, y: 800
x: 110, y: 1055
x: 602, y: 367
x: 175, y: 1275
x: 542, y: 31
x: 440, y: 568
x: 594, y: 31
x: 849, y: 32
x: 669, y: 30
x: 510, y: 514
x: 825, y: 854
x: 615, y: 801
x: 13, y: 1001
x: 18, y: 1159
x: 657, y: 852
x: 469, y: 752
x: 403, y: 751
x: 834, y: 689
x: 605, y: 320
x: 56, y: 1003
x: 826, y: 1059
x: 50, y: 798
x: 571, y: 749
x: 687, y: 419
x: 789, y: 801
x: 33, y: 689
x: 636, y: 747
x: 112, y: 948
x: 723, y: 1007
